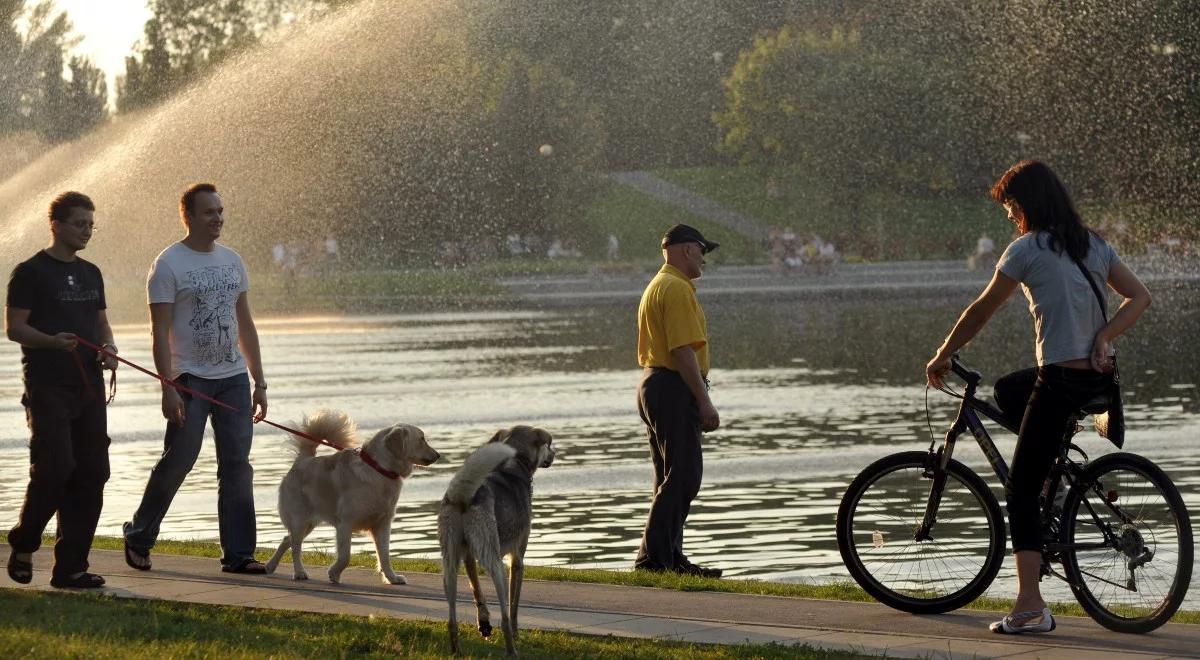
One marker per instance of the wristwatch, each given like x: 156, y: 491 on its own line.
x: 260, y: 386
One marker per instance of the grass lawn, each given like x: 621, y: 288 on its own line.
x: 55, y: 625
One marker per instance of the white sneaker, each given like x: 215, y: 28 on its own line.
x: 1035, y: 621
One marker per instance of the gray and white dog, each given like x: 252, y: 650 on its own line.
x: 486, y: 515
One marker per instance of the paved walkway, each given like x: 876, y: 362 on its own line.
x: 702, y: 617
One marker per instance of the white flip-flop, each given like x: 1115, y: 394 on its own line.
x: 1006, y: 626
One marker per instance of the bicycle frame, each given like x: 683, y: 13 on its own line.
x: 968, y: 419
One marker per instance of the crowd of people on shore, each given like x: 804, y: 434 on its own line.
x: 790, y: 254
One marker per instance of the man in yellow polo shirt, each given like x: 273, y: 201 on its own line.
x: 673, y: 397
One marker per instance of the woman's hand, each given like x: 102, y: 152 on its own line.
x: 937, y: 368
x: 1101, y: 360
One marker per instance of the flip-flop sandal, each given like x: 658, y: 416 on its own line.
x: 250, y: 566
x: 1006, y: 626
x: 137, y: 560
x: 19, y: 570
x: 81, y: 581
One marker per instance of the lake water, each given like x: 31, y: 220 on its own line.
x: 811, y: 388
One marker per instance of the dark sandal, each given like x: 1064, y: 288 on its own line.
x: 19, y: 570
x: 137, y: 560
x: 249, y: 566
x: 81, y: 581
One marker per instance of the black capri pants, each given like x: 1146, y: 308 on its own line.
x: 1051, y: 394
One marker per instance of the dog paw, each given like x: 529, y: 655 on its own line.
x: 485, y: 629
x: 335, y: 578
x: 300, y: 576
x: 395, y: 579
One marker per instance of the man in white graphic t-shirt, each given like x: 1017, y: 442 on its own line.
x: 204, y: 339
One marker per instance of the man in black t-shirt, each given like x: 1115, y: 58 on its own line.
x: 55, y: 299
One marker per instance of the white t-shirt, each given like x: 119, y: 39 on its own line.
x: 1066, y: 314
x: 204, y: 287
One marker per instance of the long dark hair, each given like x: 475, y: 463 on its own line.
x: 1045, y: 206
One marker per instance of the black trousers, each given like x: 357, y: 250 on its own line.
x: 1043, y: 399
x: 672, y: 421
x: 68, y: 467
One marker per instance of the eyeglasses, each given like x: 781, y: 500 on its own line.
x: 90, y: 226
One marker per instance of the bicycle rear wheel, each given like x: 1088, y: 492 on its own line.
x: 1133, y: 578
x: 876, y: 531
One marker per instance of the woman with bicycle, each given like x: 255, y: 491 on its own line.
x: 1073, y: 348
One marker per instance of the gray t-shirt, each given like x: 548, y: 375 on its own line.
x: 204, y: 286
x: 1066, y: 314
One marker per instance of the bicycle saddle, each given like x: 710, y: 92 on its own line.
x: 1095, y: 405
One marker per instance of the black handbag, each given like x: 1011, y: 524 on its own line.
x: 1110, y: 423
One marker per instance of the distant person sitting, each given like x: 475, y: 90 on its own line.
x: 331, y: 249
x: 775, y: 249
x: 791, y: 252
x: 614, y: 247
x: 820, y: 254
x: 984, y: 257
x: 558, y: 251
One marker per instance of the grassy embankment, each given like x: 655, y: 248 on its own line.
x: 59, y: 625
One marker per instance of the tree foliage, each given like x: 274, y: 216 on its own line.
x: 35, y: 95
x: 838, y: 110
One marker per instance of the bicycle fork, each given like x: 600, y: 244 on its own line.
x: 935, y: 469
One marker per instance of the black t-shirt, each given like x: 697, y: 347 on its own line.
x: 61, y: 296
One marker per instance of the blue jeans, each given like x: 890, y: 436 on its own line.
x: 233, y: 431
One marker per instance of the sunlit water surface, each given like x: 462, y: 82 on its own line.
x: 809, y: 394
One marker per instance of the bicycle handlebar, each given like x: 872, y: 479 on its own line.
x: 971, y: 377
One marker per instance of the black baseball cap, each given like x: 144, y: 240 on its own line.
x: 685, y: 234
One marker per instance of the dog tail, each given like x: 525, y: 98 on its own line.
x: 332, y: 425
x: 475, y: 470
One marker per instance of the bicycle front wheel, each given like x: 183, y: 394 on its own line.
x: 877, y: 523
x: 1128, y: 543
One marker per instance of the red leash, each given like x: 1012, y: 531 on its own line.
x: 390, y: 474
x: 199, y: 395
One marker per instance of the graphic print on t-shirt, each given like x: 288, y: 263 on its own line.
x: 73, y: 291
x: 213, y: 323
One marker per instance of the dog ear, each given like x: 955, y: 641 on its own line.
x: 396, y: 437
x: 499, y: 436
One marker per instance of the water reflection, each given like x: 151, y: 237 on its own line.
x: 810, y: 394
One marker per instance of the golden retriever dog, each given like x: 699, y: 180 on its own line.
x: 486, y: 515
x: 345, y: 490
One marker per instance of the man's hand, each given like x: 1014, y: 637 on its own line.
x: 107, y: 361
x: 65, y: 341
x: 259, y: 398
x: 709, y: 419
x: 172, y: 406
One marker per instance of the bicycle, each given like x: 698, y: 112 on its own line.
x: 923, y: 533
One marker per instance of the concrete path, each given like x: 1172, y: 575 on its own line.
x: 701, y: 617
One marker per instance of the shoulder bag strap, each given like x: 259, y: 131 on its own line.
x: 1095, y: 289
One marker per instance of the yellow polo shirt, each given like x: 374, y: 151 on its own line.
x: 669, y: 316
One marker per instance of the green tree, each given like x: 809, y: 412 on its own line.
x: 34, y: 95
x: 183, y: 39
x: 836, y: 110
x: 25, y: 56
